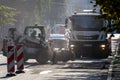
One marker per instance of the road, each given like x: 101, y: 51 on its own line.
x: 60, y: 71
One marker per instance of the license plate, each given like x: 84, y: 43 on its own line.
x: 87, y: 45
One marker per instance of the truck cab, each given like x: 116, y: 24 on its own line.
x: 86, y: 37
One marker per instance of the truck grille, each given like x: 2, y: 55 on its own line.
x: 95, y: 37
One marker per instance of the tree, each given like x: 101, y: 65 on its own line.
x: 7, y: 15
x: 110, y: 11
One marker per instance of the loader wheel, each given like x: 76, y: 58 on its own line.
x: 25, y: 59
x: 42, y: 58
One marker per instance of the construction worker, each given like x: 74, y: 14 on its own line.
x: 10, y: 37
x: 13, y: 36
x: 54, y: 55
x: 8, y: 40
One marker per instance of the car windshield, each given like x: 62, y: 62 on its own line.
x: 57, y: 43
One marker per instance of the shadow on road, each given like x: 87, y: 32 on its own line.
x: 30, y: 64
x: 79, y: 76
x: 4, y: 77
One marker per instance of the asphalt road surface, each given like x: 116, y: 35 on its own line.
x: 60, y: 71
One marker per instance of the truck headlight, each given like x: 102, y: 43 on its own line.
x: 103, y: 46
x: 72, y: 46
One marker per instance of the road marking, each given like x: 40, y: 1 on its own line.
x: 27, y: 69
x: 45, y: 72
x: 110, y: 71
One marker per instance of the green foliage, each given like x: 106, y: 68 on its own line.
x: 49, y: 11
x: 7, y: 15
x: 116, y: 59
x: 110, y: 11
x: 41, y: 11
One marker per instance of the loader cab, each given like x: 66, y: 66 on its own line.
x: 35, y: 45
x: 37, y: 32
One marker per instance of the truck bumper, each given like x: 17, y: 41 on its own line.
x: 93, y: 49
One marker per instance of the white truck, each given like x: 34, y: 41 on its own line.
x: 86, y: 39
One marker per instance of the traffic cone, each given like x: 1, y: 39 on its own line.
x: 10, y: 61
x: 20, y: 59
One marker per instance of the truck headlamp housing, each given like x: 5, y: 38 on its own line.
x: 72, y: 46
x: 103, y: 46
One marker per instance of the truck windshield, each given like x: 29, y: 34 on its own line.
x: 87, y: 22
